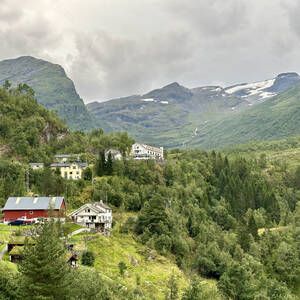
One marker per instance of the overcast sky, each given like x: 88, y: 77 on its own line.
x: 114, y: 48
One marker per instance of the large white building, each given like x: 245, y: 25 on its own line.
x: 143, y: 151
x: 96, y: 216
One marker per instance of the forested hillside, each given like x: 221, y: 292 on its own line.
x: 222, y: 218
x: 52, y: 87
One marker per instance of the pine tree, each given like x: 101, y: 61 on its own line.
x: 44, y: 268
x: 100, y: 164
x: 172, y: 294
x: 252, y: 227
x: 109, y: 164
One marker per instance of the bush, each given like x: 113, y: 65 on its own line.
x: 88, y: 258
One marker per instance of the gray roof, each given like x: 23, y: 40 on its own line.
x: 63, y: 155
x: 36, y: 164
x: 101, y: 204
x: 33, y: 203
x: 60, y: 165
x: 80, y: 164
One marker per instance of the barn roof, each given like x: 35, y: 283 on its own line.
x: 33, y: 203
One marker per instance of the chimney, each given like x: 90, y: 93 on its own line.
x: 35, y: 199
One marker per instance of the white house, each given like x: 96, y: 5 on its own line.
x: 143, y: 151
x: 96, y: 216
x: 115, y: 154
x: 36, y: 166
x: 62, y: 158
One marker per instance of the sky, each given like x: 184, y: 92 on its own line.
x: 116, y: 48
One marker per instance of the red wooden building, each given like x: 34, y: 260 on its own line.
x: 33, y: 207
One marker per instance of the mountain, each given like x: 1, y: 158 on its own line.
x: 52, y: 87
x: 277, y: 118
x: 258, y: 92
x: 27, y: 129
x: 164, y: 116
x: 174, y: 115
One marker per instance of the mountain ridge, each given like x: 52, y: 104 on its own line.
x: 172, y: 115
x: 53, y: 88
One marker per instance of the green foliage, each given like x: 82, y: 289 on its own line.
x: 52, y: 87
x: 172, y: 293
x: 200, y: 291
x: 122, y: 267
x: 88, y: 258
x: 44, y: 269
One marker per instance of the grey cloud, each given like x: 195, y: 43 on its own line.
x: 123, y: 66
x: 116, y: 48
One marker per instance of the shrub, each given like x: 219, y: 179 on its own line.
x: 88, y: 258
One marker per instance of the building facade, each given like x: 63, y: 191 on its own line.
x: 97, y: 216
x: 36, y: 166
x: 143, y: 151
x: 115, y: 154
x: 62, y: 158
x: 72, y: 170
x: 33, y: 207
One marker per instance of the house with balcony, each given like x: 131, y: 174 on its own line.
x: 142, y: 151
x: 96, y: 216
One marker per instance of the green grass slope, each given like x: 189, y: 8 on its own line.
x: 53, y: 88
x: 277, y: 118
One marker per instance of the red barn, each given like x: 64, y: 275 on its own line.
x: 33, y: 207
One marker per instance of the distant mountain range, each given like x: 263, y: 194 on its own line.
x: 171, y: 116
x: 53, y: 88
x: 176, y: 116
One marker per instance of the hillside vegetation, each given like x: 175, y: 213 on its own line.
x: 52, y: 87
x: 198, y: 210
x: 26, y: 128
x: 274, y: 119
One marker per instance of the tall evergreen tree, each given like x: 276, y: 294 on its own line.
x: 109, y: 164
x: 44, y: 268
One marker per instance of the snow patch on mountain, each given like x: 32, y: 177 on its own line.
x: 148, y: 100
x: 252, y: 88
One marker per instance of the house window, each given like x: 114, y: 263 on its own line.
x: 88, y: 210
x: 31, y: 212
x: 77, y: 172
x: 74, y: 167
x: 71, y: 173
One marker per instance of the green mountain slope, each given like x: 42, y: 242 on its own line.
x: 27, y: 129
x: 53, y: 88
x: 168, y: 116
x: 277, y: 118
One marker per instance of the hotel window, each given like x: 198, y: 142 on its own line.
x: 31, y: 212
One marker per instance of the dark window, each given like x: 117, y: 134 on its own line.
x: 31, y: 212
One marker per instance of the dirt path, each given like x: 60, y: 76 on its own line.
x: 3, y: 252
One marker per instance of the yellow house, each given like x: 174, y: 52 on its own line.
x: 72, y: 170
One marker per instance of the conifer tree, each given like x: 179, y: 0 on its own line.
x: 109, y: 164
x: 44, y: 267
